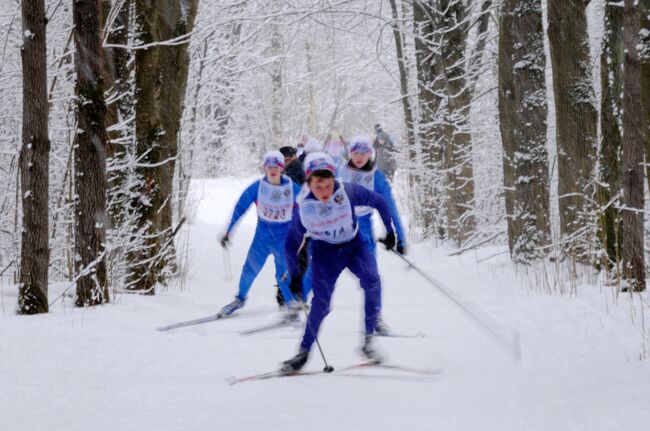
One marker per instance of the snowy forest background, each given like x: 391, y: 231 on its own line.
x: 511, y: 118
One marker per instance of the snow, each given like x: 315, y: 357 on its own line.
x: 584, y: 363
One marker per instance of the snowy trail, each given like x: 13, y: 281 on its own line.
x: 109, y: 369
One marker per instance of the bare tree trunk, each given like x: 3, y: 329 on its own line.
x: 609, y: 188
x: 576, y: 119
x: 90, y: 156
x: 403, y: 76
x: 523, y: 112
x: 311, y: 124
x: 431, y: 87
x: 644, y: 56
x: 34, y: 163
x: 161, y: 80
x: 276, y: 87
x: 633, y: 184
x: 458, y: 155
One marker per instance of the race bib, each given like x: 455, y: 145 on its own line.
x: 330, y: 222
x: 362, y: 178
x: 275, y: 203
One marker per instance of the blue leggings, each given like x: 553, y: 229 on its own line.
x: 327, y: 263
x: 267, y: 240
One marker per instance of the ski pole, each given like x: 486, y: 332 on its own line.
x: 328, y: 368
x: 483, y: 321
x: 226, y: 265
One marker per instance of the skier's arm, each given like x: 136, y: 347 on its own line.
x: 382, y: 186
x: 245, y: 201
x: 360, y: 196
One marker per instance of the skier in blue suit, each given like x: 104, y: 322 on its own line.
x: 326, y: 211
x: 275, y: 196
x: 361, y: 170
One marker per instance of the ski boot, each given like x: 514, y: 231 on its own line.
x: 228, y: 309
x: 370, y: 351
x: 382, y: 330
x: 296, y: 363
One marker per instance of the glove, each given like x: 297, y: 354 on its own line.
x: 389, y: 240
x: 401, y: 248
x: 225, y: 241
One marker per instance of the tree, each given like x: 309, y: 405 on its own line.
x: 161, y: 70
x: 611, y: 81
x: 34, y: 163
x: 90, y: 156
x: 576, y: 119
x: 633, y: 183
x: 458, y: 150
x: 644, y: 57
x: 431, y: 86
x: 522, y: 112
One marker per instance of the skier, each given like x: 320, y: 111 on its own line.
x: 326, y: 211
x: 292, y: 166
x: 385, y: 152
x: 362, y: 170
x: 275, y: 196
x: 335, y: 147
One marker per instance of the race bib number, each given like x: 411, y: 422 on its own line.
x: 275, y: 203
x: 332, y: 221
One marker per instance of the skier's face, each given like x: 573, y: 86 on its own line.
x: 322, y: 188
x: 273, y: 173
x: 359, y: 160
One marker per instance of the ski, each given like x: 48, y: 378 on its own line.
x: 276, y: 325
x: 361, y: 365
x: 398, y: 335
x: 192, y: 322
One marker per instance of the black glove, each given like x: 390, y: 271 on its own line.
x: 401, y: 249
x: 389, y: 240
x: 225, y: 241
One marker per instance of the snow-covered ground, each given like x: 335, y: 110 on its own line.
x: 107, y: 368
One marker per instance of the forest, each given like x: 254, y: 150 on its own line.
x: 517, y: 122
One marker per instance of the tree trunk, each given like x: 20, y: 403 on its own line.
x: 609, y: 188
x: 403, y: 76
x: 458, y: 154
x: 431, y: 87
x: 523, y: 112
x: 633, y: 183
x: 276, y: 87
x: 644, y: 56
x: 119, y: 103
x: 576, y: 119
x: 90, y: 156
x: 34, y: 163
x: 161, y: 79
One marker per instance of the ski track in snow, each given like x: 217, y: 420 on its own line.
x: 108, y: 368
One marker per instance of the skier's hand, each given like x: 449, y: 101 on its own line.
x: 225, y: 241
x: 401, y: 248
x: 389, y: 240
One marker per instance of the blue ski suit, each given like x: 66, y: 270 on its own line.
x: 380, y: 185
x: 328, y: 260
x: 269, y: 239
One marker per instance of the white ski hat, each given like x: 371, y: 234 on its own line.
x: 274, y: 158
x: 313, y: 146
x: 319, y: 161
x: 361, y: 144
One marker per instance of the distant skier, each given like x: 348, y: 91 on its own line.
x: 326, y: 211
x: 312, y: 146
x: 292, y: 165
x: 361, y: 170
x: 335, y: 147
x: 385, y: 152
x: 274, y: 195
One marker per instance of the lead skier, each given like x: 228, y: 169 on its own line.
x: 326, y: 211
